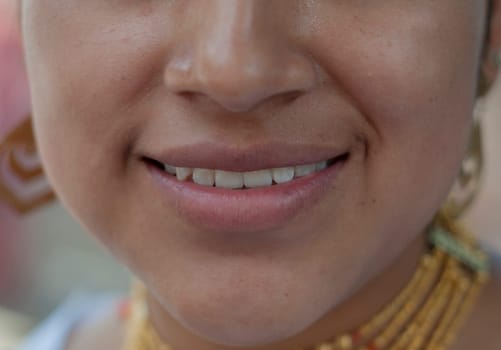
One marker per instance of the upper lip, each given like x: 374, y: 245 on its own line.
x: 213, y: 155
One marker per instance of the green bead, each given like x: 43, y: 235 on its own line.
x: 444, y: 240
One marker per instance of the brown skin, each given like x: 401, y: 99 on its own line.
x: 392, y: 81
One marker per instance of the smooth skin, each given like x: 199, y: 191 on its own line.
x: 393, y: 82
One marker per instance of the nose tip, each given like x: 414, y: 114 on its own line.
x: 240, y: 78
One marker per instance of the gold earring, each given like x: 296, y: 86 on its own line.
x: 23, y: 185
x: 469, y: 178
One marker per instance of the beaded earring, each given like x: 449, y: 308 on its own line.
x: 468, y: 182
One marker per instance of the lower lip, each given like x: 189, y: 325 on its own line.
x: 249, y: 210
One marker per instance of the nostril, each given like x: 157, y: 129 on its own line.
x: 188, y: 95
x: 292, y: 96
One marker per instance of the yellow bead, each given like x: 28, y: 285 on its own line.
x: 345, y: 342
x: 381, y: 342
x: 325, y: 346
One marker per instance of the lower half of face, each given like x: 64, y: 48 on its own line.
x: 389, y: 108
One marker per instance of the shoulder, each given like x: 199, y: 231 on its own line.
x: 102, y: 331
x: 105, y: 330
x: 53, y: 334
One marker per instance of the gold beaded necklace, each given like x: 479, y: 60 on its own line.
x: 426, y: 314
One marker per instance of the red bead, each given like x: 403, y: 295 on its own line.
x: 356, y: 336
x: 372, y: 346
x: 123, y: 309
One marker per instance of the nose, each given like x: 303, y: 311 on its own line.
x: 240, y: 56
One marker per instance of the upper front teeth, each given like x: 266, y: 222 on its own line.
x: 249, y: 179
x: 258, y: 178
x: 228, y: 179
x: 283, y: 175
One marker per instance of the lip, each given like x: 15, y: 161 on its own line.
x: 209, y: 155
x: 244, y: 211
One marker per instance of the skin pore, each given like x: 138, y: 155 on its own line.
x: 392, y: 83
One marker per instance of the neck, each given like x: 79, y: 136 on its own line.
x: 349, y: 315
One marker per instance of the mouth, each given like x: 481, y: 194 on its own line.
x: 243, y: 192
x: 234, y: 180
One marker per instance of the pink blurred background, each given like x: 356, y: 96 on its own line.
x: 14, y: 105
x: 14, y: 95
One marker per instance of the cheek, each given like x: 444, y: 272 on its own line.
x: 84, y: 77
x: 407, y: 77
x: 415, y: 87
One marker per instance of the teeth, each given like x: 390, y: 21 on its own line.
x: 229, y: 179
x: 258, y: 178
x: 183, y: 173
x: 303, y: 170
x: 238, y: 180
x: 321, y: 165
x: 170, y: 169
x: 203, y: 177
x: 283, y: 175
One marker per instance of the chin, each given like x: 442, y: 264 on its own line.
x: 247, y: 312
x: 246, y: 324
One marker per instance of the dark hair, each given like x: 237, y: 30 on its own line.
x: 488, y: 20
x: 483, y: 85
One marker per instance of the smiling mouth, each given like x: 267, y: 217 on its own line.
x: 244, y: 180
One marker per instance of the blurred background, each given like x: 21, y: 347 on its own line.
x: 45, y: 255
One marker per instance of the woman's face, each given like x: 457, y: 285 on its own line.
x: 386, y: 86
